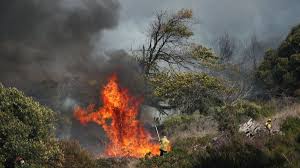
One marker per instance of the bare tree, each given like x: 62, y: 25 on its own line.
x: 253, y: 51
x: 243, y: 90
x: 167, y: 37
x: 225, y: 46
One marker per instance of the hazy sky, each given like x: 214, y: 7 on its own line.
x: 55, y: 36
x: 241, y: 18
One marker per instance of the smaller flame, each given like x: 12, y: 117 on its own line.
x: 118, y: 118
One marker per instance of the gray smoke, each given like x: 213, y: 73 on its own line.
x: 268, y: 19
x: 49, y: 39
x: 47, y: 50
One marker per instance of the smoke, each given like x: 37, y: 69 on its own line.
x: 129, y: 76
x: 49, y: 39
x: 47, y: 50
x: 268, y: 19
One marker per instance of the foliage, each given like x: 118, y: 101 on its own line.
x: 176, y: 158
x: 111, y: 162
x: 178, y: 120
x: 202, y: 54
x: 291, y: 126
x: 181, y: 126
x: 27, y: 131
x: 280, y: 70
x: 226, y: 117
x: 202, y: 152
x: 191, y: 144
x: 287, y: 146
x: 167, y: 36
x: 230, y: 116
x: 182, y: 155
x: 237, y: 153
x: 188, y: 91
x: 253, y: 109
x: 75, y: 156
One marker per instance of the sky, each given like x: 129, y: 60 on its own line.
x: 68, y: 35
x: 267, y: 19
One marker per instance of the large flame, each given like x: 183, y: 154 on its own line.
x: 118, y: 117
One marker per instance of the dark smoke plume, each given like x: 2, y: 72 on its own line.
x: 47, y: 50
x: 48, y: 39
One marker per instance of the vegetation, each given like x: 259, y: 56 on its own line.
x: 26, y: 131
x: 75, y: 156
x: 280, y: 70
x: 250, y: 109
x: 202, y: 54
x: 226, y: 46
x: 287, y: 147
x: 182, y: 154
x: 204, y: 132
x: 167, y: 36
x: 188, y: 91
x: 235, y: 151
x: 178, y: 120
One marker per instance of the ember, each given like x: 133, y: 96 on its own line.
x: 118, y: 117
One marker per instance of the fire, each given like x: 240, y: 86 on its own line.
x: 118, y: 118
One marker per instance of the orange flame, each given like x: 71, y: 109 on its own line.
x: 118, y: 117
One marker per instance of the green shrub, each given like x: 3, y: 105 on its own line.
x: 76, y: 156
x: 111, y: 162
x: 291, y: 126
x: 287, y: 146
x: 227, y: 119
x: 178, y: 120
x: 189, y: 91
x: 238, y: 154
x: 253, y: 110
x: 176, y: 158
x: 191, y: 144
x: 280, y: 72
x: 231, y: 115
x: 234, y: 151
x: 183, y: 154
x: 27, y: 131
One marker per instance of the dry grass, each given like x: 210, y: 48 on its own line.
x: 200, y: 126
x: 290, y: 110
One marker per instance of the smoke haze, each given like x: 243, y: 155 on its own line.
x: 268, y: 19
x: 50, y: 38
x: 61, y: 51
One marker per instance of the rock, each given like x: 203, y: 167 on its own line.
x: 250, y: 128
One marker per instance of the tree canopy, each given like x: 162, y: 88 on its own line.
x: 26, y: 131
x: 167, y: 36
x: 188, y: 91
x: 280, y: 70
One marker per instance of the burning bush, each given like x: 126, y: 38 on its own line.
x: 118, y: 117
